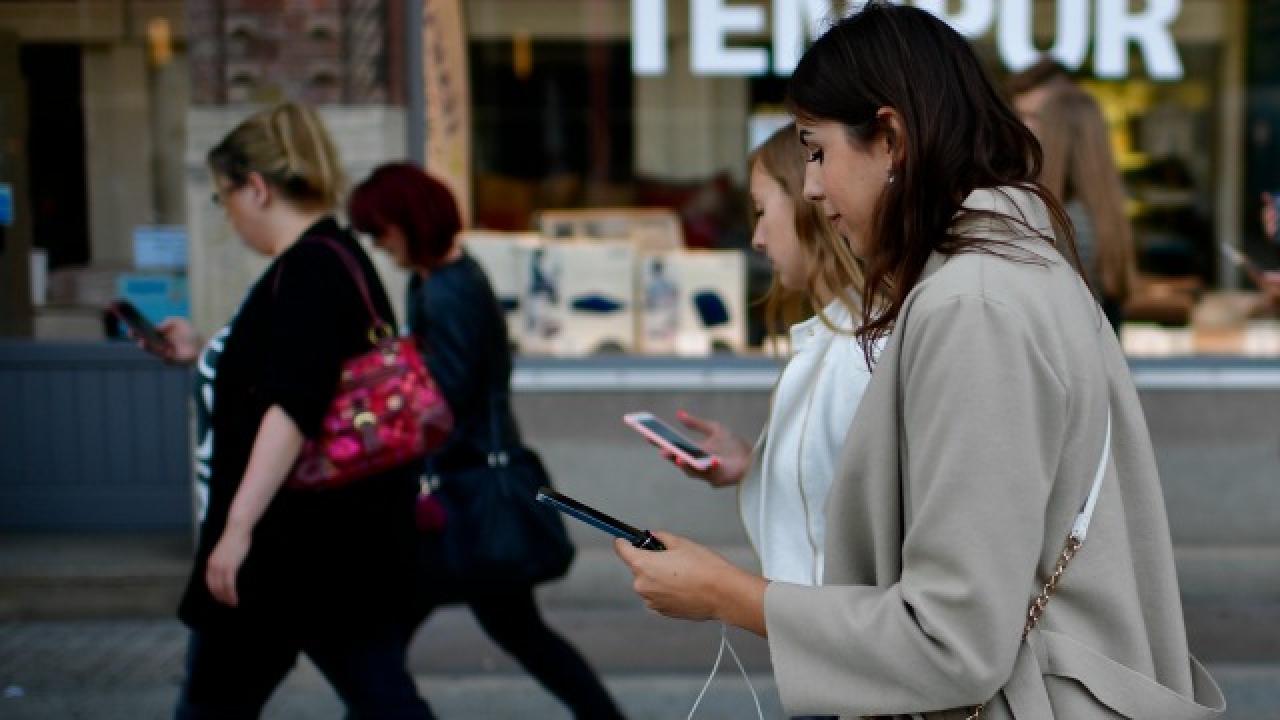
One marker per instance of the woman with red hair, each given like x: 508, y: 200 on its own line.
x: 453, y: 312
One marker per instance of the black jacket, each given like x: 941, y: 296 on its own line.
x: 457, y: 318
x: 334, y: 560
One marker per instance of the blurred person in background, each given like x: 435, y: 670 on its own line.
x: 1081, y: 172
x: 454, y: 313
x: 281, y: 571
x: 1270, y: 220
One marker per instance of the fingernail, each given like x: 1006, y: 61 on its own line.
x: 682, y: 414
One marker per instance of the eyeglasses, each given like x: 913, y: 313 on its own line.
x: 220, y: 195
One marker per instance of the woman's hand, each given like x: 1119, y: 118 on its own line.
x: 732, y: 452
x: 274, y: 451
x: 691, y: 582
x: 184, y: 344
x: 1270, y: 215
x: 224, y: 564
x: 1271, y: 287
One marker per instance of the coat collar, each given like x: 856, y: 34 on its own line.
x: 1015, y: 202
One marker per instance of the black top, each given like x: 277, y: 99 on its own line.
x: 459, y: 322
x: 343, y: 558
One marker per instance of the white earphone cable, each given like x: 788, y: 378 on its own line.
x: 724, y: 643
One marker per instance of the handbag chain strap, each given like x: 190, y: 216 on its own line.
x: 1075, y: 541
x: 1069, y: 551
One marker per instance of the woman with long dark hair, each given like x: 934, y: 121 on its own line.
x: 958, y: 583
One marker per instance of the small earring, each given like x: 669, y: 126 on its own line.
x: 891, y: 178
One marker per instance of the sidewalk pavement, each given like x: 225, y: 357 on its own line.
x: 86, y: 631
x: 131, y: 669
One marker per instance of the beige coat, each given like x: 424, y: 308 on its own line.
x: 976, y: 442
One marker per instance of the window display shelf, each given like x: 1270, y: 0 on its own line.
x: 758, y: 373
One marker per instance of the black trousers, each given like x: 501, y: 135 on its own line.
x: 231, y: 673
x: 514, y: 622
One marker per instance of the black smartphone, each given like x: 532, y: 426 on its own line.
x: 138, y: 324
x: 640, y: 538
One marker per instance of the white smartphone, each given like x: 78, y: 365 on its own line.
x: 668, y: 438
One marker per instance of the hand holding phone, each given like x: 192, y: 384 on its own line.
x: 671, y: 440
x: 185, y: 343
x: 642, y: 539
x: 139, y: 326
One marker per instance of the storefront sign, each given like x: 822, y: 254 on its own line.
x: 160, y: 247
x: 1114, y: 27
x: 448, y: 95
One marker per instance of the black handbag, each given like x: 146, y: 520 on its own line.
x: 497, y: 536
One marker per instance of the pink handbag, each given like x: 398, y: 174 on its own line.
x: 387, y: 411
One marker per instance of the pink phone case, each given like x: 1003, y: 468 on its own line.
x: 644, y: 422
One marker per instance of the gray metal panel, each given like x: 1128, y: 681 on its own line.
x: 95, y: 436
x: 733, y: 373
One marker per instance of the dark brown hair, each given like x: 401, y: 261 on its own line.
x: 960, y: 136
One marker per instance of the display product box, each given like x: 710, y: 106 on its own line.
x: 651, y: 229
x: 580, y: 298
x: 692, y: 302
x: 505, y: 259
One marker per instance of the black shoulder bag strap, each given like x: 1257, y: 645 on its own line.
x: 496, y: 456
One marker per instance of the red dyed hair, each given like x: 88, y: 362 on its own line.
x: 404, y: 196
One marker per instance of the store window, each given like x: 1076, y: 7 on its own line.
x: 573, y: 106
x: 108, y: 108
x: 707, y: 79
x: 552, y: 124
x: 93, y: 117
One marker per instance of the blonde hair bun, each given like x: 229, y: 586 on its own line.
x: 287, y: 145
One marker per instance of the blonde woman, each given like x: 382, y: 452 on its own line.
x: 1080, y: 170
x: 278, y: 571
x: 785, y: 478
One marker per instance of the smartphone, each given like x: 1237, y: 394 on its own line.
x: 667, y: 437
x: 642, y: 539
x: 1242, y: 261
x: 141, y: 327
